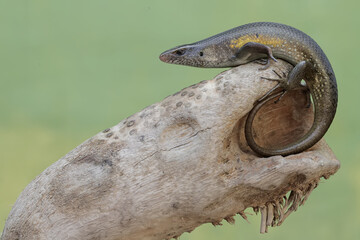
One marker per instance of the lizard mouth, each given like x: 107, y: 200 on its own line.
x: 173, y: 55
x: 164, y: 57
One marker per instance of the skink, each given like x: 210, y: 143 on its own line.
x: 269, y: 40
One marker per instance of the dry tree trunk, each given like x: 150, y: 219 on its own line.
x: 178, y: 164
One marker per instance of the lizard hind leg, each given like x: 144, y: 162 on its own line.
x: 292, y: 81
x: 296, y: 75
x: 277, y: 86
x: 282, y: 82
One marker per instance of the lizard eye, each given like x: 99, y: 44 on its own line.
x: 201, y: 54
x: 179, y: 52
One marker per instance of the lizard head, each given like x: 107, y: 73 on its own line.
x: 196, y: 55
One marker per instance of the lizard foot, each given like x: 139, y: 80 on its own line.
x: 282, y: 80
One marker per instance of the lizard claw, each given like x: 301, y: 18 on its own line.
x: 268, y: 62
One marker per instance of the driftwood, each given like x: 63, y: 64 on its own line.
x: 178, y: 164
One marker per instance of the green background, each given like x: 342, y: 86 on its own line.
x: 69, y: 69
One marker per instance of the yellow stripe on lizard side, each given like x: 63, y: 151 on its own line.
x: 266, y: 40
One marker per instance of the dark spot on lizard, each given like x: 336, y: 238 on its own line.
x: 191, y: 94
x: 183, y: 93
x: 178, y: 104
x: 132, y: 132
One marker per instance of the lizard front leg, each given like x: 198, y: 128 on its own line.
x: 251, y: 51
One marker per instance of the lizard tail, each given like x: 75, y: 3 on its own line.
x: 314, y: 134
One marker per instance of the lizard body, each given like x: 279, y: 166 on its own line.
x: 269, y: 40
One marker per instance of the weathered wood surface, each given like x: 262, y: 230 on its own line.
x: 175, y: 165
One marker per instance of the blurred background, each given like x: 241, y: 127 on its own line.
x: 70, y: 68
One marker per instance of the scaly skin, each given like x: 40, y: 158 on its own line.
x: 265, y: 39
